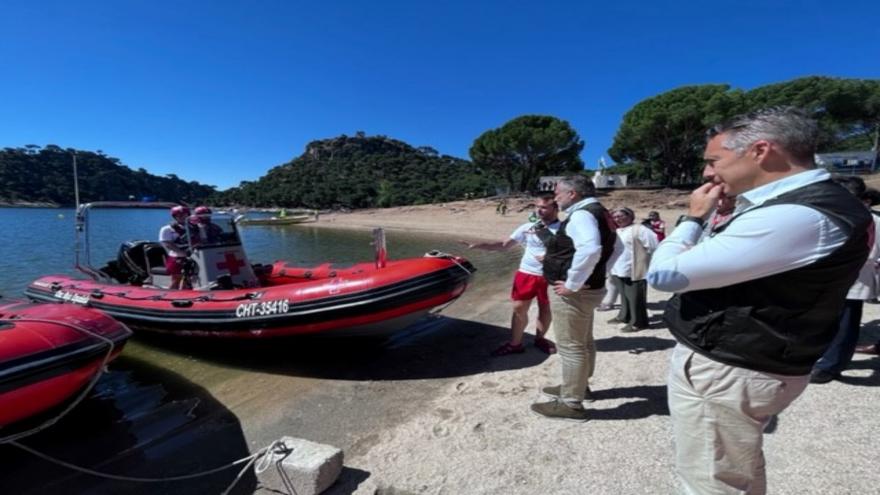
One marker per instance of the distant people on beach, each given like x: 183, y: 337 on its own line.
x: 529, y: 282
x: 839, y: 354
x: 173, y: 238
x: 501, y: 208
x: 656, y: 224
x: 635, y: 244
x: 575, y: 267
x: 757, y: 303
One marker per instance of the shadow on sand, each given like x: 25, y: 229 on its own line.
x: 872, y: 380
x: 434, y: 347
x: 636, y: 344
x: 651, y: 401
x: 140, y: 421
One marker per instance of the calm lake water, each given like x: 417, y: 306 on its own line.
x: 166, y: 407
x: 41, y: 242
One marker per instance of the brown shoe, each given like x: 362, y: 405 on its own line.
x: 558, y: 409
x: 554, y: 391
x: 868, y: 349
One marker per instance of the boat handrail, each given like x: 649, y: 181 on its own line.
x: 83, y: 250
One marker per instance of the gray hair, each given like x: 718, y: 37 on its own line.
x: 580, y: 184
x: 626, y: 211
x: 789, y: 127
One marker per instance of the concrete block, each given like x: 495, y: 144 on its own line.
x: 308, y: 467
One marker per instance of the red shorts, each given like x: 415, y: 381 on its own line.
x: 527, y: 287
x: 173, y: 265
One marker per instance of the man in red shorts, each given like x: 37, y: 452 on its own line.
x: 529, y: 282
x: 173, y: 238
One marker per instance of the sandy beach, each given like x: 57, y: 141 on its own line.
x: 459, y: 422
x: 478, y: 219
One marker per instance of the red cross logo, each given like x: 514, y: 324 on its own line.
x: 232, y: 263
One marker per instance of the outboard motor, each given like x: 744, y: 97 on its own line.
x: 130, y: 265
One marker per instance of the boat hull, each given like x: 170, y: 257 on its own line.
x: 276, y: 220
x: 327, y: 300
x: 44, y: 360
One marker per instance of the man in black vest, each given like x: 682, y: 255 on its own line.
x: 757, y: 301
x: 574, y: 266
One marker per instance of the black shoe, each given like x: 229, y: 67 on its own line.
x: 821, y: 376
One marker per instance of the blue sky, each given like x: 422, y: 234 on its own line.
x: 219, y: 92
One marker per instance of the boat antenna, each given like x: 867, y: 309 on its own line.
x: 79, y: 215
x: 381, y: 252
x: 75, y: 182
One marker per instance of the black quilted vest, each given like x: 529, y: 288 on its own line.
x: 781, y: 323
x: 560, y: 249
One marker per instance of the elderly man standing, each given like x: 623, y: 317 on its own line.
x: 574, y: 265
x: 757, y: 301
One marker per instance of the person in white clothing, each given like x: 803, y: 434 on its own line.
x: 635, y: 245
x: 528, y: 282
x: 173, y: 238
x: 839, y: 354
x: 756, y: 302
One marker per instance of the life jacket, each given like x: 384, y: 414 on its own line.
x: 180, y: 230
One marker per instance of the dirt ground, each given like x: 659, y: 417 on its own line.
x: 476, y: 435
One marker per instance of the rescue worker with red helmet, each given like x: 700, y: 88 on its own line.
x: 173, y: 238
x: 202, y: 229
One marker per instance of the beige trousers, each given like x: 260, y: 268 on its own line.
x: 718, y: 417
x: 573, y: 327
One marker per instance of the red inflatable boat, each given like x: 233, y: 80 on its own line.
x: 46, y: 356
x: 226, y: 296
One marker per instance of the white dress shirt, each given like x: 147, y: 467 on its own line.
x: 583, y: 230
x: 757, y: 244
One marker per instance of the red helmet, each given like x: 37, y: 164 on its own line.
x: 202, y: 210
x: 179, y: 211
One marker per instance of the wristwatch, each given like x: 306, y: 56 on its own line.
x: 691, y: 218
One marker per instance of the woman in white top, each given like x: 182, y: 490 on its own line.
x: 635, y: 243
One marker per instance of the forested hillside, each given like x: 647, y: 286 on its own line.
x: 361, y: 172
x: 45, y: 175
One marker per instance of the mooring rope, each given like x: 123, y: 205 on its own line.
x: 82, y: 395
x: 277, y: 447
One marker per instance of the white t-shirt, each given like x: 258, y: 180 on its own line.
x: 526, y: 237
x: 168, y: 234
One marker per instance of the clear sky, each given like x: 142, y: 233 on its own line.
x: 220, y: 91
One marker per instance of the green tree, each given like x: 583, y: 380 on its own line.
x: 527, y: 147
x: 664, y: 134
x: 34, y: 174
x: 662, y: 138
